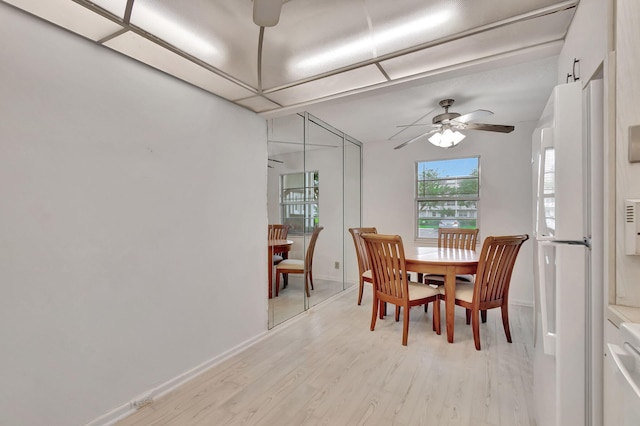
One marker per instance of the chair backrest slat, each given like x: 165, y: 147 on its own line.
x: 361, y: 251
x: 278, y: 231
x: 308, y: 260
x: 495, y: 266
x: 460, y: 238
x: 388, y: 265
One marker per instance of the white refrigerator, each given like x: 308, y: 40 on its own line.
x: 567, y: 186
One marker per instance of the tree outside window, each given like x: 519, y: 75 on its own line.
x: 447, y: 195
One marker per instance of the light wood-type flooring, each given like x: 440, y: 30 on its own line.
x: 326, y: 368
x: 290, y: 302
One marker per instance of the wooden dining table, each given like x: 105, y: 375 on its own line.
x: 447, y: 262
x: 275, y: 246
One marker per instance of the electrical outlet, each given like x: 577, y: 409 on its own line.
x: 336, y: 265
x: 142, y: 402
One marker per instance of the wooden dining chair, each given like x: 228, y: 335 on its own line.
x: 391, y: 282
x: 296, y: 266
x: 455, y: 238
x: 493, y: 277
x: 460, y: 238
x: 364, y: 268
x: 278, y: 231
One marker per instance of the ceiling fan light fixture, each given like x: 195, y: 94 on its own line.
x: 447, y: 138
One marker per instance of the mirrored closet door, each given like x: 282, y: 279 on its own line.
x: 314, y: 181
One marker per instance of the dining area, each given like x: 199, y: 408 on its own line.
x: 454, y: 272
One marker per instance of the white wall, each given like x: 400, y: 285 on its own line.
x: 505, y: 197
x: 627, y: 114
x: 132, y: 226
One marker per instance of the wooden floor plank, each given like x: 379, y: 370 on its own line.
x: 328, y: 368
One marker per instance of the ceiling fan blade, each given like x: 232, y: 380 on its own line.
x: 473, y: 115
x: 490, y: 127
x: 414, y: 125
x: 416, y: 138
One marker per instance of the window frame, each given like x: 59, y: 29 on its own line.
x: 306, y: 203
x: 418, y: 198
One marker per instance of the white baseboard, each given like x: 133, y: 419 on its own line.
x: 517, y: 302
x: 125, y: 410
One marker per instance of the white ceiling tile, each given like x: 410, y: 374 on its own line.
x: 150, y: 53
x: 328, y: 86
x: 220, y: 33
x: 70, y: 15
x: 258, y: 103
x: 504, y: 39
x: 117, y: 7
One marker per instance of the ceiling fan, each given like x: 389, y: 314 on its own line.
x: 446, y: 126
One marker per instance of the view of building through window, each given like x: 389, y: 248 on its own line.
x: 299, y: 200
x: 447, y: 194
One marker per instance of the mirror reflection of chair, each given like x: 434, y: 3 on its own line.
x: 391, y: 283
x: 493, y: 277
x: 277, y: 231
x: 296, y: 266
x: 364, y: 267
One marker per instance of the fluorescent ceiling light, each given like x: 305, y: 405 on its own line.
x: 70, y: 15
x: 371, y: 41
x: 180, y: 36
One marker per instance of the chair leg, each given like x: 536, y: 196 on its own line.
x: 483, y: 315
x: 475, y: 325
x: 285, y: 280
x: 311, y: 280
x: 306, y: 285
x: 397, y: 313
x: 436, y: 316
x: 405, y: 325
x: 468, y: 314
x: 374, y: 312
x: 426, y: 308
x: 360, y: 291
x: 277, y: 282
x: 505, y: 321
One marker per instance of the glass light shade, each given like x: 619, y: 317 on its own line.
x: 447, y: 139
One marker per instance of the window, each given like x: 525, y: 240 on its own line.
x: 447, y: 194
x: 299, y: 198
x: 549, y: 191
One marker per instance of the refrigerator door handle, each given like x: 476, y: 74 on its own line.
x: 548, y: 338
x: 584, y: 242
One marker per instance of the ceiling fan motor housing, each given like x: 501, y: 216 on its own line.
x: 445, y: 117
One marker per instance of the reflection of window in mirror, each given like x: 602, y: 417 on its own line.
x: 299, y: 201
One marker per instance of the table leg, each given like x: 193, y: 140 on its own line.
x: 449, y: 304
